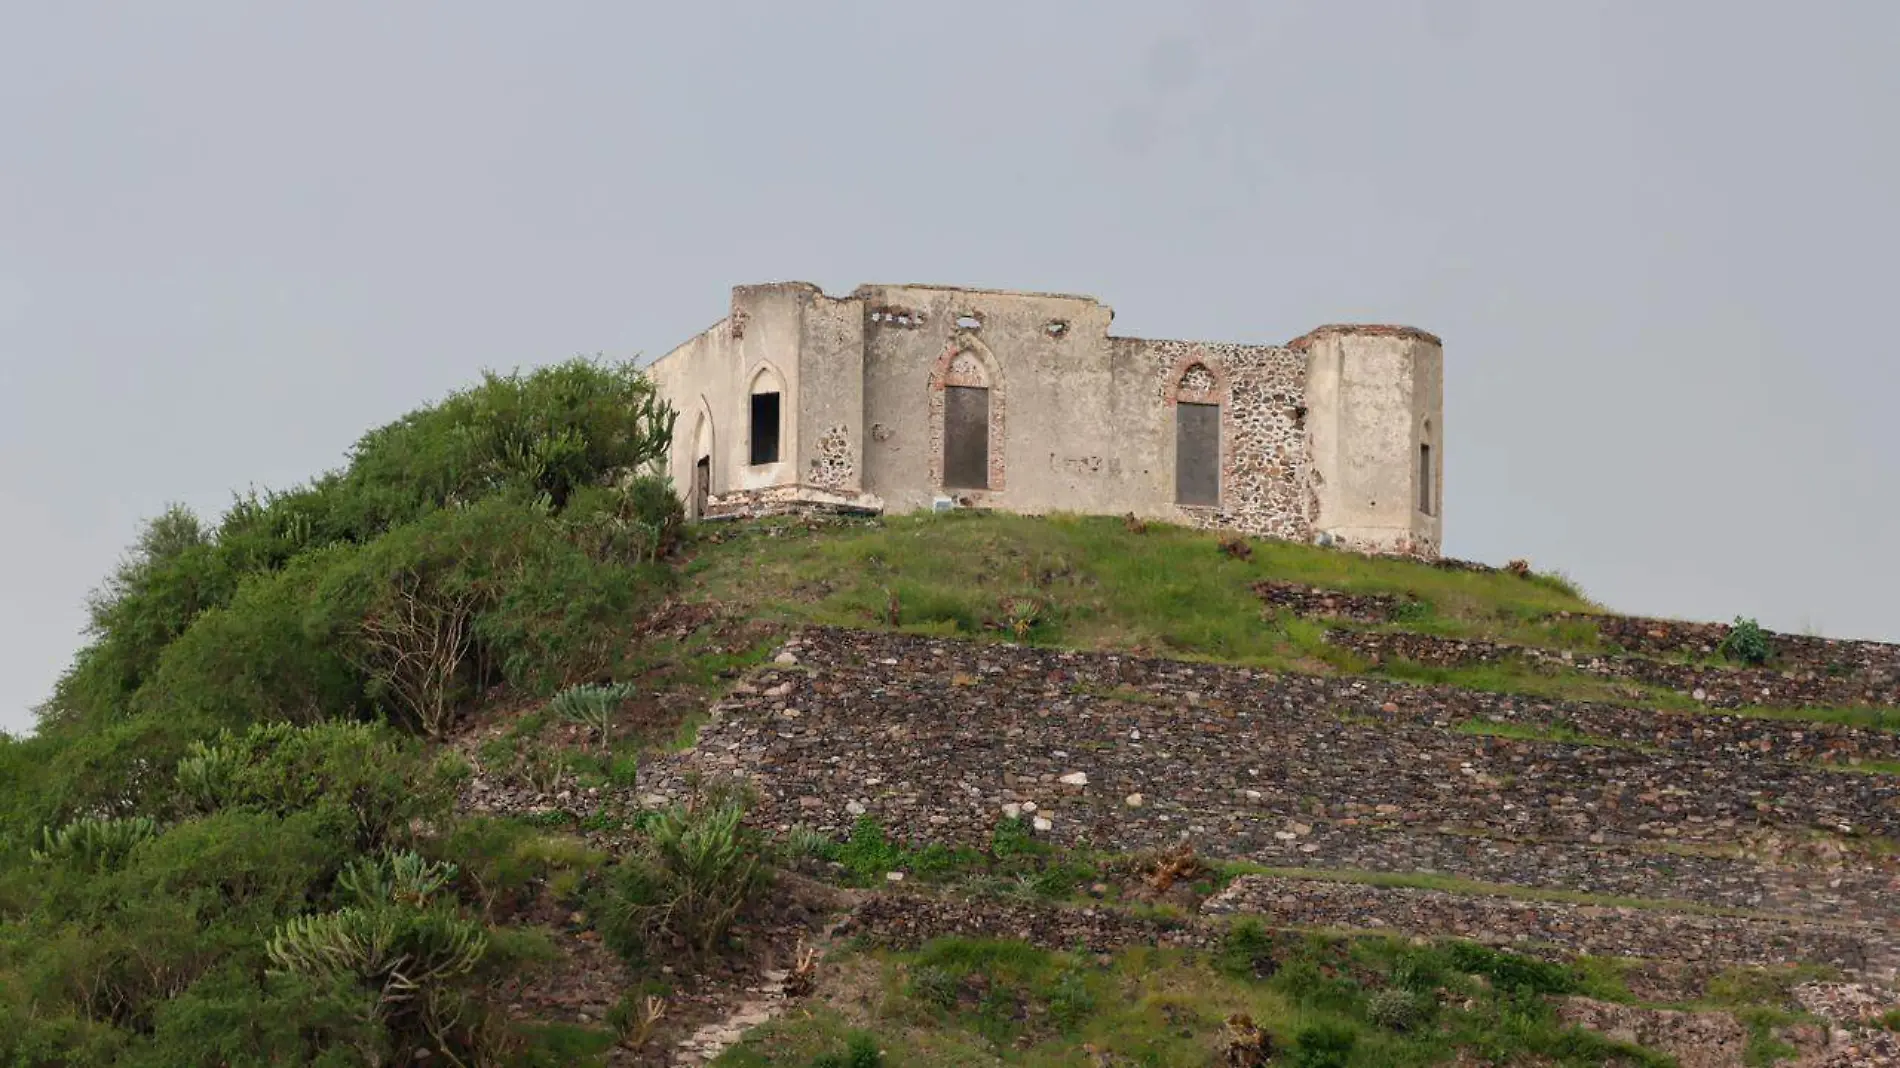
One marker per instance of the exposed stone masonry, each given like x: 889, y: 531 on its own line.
x: 939, y: 739
x: 1802, y: 670
x: 1266, y: 465
x: 1716, y: 686
x: 1313, y: 602
x: 1580, y: 929
x: 832, y: 467
x: 1877, y: 663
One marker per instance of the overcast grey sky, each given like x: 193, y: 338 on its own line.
x: 1657, y: 236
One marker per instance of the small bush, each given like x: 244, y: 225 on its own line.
x: 1323, y: 1045
x: 1509, y: 971
x: 370, y: 778
x: 1393, y: 1009
x: 1013, y: 838
x: 638, y: 523
x: 1246, y: 950
x: 860, y: 1051
x: 938, y: 986
x: 1305, y: 982
x: 1746, y: 642
x: 804, y: 843
x: 593, y: 704
x: 696, y: 871
x: 868, y: 854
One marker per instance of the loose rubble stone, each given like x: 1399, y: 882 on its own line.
x: 1706, y: 808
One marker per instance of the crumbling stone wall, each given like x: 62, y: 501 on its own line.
x: 1266, y: 481
x: 1079, y: 420
x: 833, y: 467
x: 1315, y: 603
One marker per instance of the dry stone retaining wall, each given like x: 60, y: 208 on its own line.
x: 1577, y: 929
x: 1876, y: 663
x: 1313, y: 602
x: 939, y: 739
x: 1715, y: 686
x: 1859, y: 669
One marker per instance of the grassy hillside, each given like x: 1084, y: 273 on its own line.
x: 1091, y: 583
x: 399, y: 766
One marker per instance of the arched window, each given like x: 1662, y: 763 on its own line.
x: 967, y: 418
x: 702, y: 464
x: 1197, y: 437
x: 767, y: 416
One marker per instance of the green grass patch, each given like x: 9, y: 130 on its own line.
x: 1545, y: 732
x: 1354, y: 1003
x: 1228, y: 870
x: 1169, y: 590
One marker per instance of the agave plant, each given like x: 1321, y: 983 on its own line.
x: 593, y: 704
x: 96, y: 843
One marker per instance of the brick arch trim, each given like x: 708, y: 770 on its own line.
x: 1197, y: 378
x: 1208, y: 387
x: 967, y: 361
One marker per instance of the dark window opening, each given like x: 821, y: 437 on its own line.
x: 1425, y: 479
x: 765, y: 428
x: 702, y: 485
x: 1197, y: 454
x: 966, y: 437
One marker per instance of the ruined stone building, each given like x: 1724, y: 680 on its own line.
x: 905, y: 397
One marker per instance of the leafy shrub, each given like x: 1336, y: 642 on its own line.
x: 860, y: 1051
x: 1012, y: 838
x: 1418, y: 971
x: 551, y: 432
x: 1393, y: 1009
x: 696, y: 871
x: 868, y: 853
x: 1323, y: 1045
x: 366, y: 778
x: 1746, y: 642
x: 938, y: 986
x: 592, y: 704
x: 232, y: 1017
x: 561, y: 616
x: 171, y: 575
x: 1305, y: 982
x: 395, y: 938
x: 636, y: 523
x: 94, y: 843
x: 1510, y: 971
x: 265, y: 655
x: 1246, y: 950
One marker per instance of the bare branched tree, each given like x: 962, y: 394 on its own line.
x: 413, y: 641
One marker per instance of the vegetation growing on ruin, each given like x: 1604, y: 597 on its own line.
x: 242, y: 833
